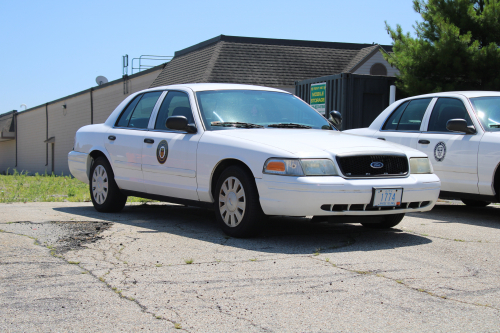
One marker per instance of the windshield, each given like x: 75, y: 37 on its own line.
x: 488, y: 111
x: 229, y: 109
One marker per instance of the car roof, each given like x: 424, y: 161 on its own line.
x: 216, y: 86
x: 468, y: 94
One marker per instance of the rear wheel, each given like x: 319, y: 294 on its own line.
x: 105, y: 194
x: 388, y: 221
x: 475, y: 203
x: 237, y: 205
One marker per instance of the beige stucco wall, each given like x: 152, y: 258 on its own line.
x: 377, y: 57
x: 63, y: 124
x: 7, y: 155
x: 31, y: 133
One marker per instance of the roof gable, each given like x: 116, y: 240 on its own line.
x: 260, y: 61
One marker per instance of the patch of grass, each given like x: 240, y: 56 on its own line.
x: 23, y: 186
x: 73, y: 262
x: 158, y: 265
x: 399, y: 281
x: 363, y: 272
x: 177, y: 326
x: 84, y: 272
x: 131, y: 299
x: 102, y: 279
x: 459, y: 240
x: 189, y: 261
x: 253, y: 259
x: 327, y: 259
x: 158, y: 317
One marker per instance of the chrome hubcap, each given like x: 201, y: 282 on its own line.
x: 100, y: 184
x: 232, y: 201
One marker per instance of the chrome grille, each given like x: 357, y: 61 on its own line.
x: 360, y: 166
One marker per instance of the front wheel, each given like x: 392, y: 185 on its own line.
x: 388, y: 221
x: 105, y: 194
x: 237, y: 206
x: 475, y: 203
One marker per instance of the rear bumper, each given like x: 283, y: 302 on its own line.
x: 325, y: 196
x: 78, y: 163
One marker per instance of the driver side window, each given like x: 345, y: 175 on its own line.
x: 444, y: 110
x: 176, y: 103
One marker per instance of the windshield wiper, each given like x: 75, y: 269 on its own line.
x: 235, y: 124
x: 288, y: 125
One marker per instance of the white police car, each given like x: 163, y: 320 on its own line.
x: 246, y: 152
x: 459, y: 131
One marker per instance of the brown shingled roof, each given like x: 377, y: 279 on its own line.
x: 260, y: 61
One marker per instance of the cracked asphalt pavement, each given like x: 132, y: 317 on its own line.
x: 163, y: 268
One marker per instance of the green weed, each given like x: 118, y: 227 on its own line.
x: 24, y: 187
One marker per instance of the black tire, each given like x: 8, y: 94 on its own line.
x: 237, y: 206
x: 388, y: 221
x: 475, y: 203
x: 105, y: 194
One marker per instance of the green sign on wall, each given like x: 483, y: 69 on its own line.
x: 318, y: 96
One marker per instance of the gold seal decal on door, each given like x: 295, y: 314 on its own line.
x: 162, y: 151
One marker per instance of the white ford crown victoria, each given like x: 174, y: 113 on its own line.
x: 247, y: 152
x: 459, y: 131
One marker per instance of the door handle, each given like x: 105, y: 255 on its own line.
x: 424, y: 142
x: 112, y: 137
x: 381, y: 139
x: 149, y: 141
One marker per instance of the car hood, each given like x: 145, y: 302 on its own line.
x: 308, y: 142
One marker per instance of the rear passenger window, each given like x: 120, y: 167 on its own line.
x: 137, y: 113
x: 408, y: 116
x: 444, y: 110
x: 176, y: 103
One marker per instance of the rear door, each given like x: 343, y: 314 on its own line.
x: 453, y: 155
x: 404, y: 125
x: 124, y: 141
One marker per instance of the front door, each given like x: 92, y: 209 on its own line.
x: 169, y: 156
x: 453, y: 155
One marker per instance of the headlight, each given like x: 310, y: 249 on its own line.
x: 305, y: 167
x: 420, y: 165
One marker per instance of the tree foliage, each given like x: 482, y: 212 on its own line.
x: 456, y: 47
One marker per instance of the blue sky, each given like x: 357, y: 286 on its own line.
x: 51, y: 49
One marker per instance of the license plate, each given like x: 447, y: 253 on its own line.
x: 387, y: 197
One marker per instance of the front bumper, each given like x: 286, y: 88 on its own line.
x: 326, y: 196
x: 78, y: 165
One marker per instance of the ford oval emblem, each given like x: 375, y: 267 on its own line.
x: 377, y: 165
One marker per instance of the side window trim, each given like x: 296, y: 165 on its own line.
x: 427, y: 115
x: 152, y: 118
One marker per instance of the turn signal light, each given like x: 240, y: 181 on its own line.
x: 276, y: 166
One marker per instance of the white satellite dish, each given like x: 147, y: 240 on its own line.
x: 101, y: 80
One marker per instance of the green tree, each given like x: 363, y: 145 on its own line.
x: 456, y: 47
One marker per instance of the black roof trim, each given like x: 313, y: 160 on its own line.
x: 273, y: 41
x: 147, y: 71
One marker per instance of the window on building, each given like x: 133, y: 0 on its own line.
x: 378, y: 69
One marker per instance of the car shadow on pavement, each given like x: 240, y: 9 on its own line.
x: 488, y: 216
x: 284, y: 235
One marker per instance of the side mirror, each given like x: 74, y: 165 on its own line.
x: 336, y: 118
x: 180, y: 123
x: 460, y: 125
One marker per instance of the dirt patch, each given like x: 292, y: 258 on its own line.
x: 76, y: 234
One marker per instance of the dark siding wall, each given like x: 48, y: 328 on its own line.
x: 359, y: 98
